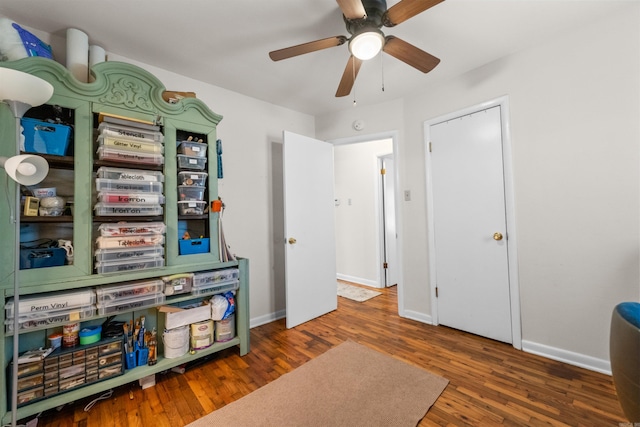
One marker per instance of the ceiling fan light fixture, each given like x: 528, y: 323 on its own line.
x: 366, y: 45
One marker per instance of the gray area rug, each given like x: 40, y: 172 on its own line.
x: 349, y: 385
x: 356, y: 293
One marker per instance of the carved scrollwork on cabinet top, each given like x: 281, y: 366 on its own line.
x: 117, y: 84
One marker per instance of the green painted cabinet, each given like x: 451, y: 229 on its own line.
x: 128, y: 91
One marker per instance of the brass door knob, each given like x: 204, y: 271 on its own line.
x: 497, y: 236
x: 292, y: 241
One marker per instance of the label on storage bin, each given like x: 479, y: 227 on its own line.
x: 129, y: 228
x: 131, y: 145
x: 107, y: 209
x: 129, y: 241
x: 129, y: 174
x: 134, y: 198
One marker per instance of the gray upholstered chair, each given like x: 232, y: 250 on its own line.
x: 624, y: 351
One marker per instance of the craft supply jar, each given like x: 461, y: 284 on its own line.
x: 55, y: 340
x: 70, y: 335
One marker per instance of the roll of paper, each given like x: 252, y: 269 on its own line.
x: 78, y: 54
x: 96, y: 55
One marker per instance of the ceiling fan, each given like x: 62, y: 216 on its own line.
x: 363, y: 19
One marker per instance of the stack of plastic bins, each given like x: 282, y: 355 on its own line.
x: 129, y: 192
x: 192, y: 160
x: 129, y: 246
x: 51, y: 309
x: 113, y: 299
x: 192, y: 192
x: 215, y: 281
x: 132, y: 143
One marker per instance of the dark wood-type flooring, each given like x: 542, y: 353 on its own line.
x: 491, y: 383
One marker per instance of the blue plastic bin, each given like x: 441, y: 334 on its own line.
x: 194, y: 246
x: 45, y: 138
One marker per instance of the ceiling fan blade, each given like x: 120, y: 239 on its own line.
x: 352, y: 9
x: 349, y: 76
x: 289, y: 52
x: 410, y: 54
x: 406, y: 9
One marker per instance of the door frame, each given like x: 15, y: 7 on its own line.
x: 512, y: 253
x: 393, y: 135
x: 382, y: 202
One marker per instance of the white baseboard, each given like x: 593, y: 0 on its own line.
x: 358, y: 280
x: 415, y: 315
x: 267, y: 318
x: 566, y: 356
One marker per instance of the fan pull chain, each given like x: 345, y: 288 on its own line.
x: 382, y: 69
x: 353, y: 75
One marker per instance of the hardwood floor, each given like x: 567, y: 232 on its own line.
x: 491, y: 383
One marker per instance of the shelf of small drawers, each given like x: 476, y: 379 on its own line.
x: 68, y: 369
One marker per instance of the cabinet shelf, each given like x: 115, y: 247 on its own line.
x: 192, y: 217
x: 130, y: 375
x: 46, y: 219
x: 61, y: 162
x: 168, y: 301
x: 99, y: 163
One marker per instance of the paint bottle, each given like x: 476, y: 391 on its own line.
x: 70, y: 335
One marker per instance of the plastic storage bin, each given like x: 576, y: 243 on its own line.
x: 41, y: 257
x: 192, y: 178
x: 131, y: 198
x: 190, y: 162
x: 191, y: 207
x: 130, y: 304
x: 129, y: 228
x: 132, y: 253
x: 128, y: 265
x: 193, y: 149
x: 178, y: 284
x: 132, y: 241
x: 130, y: 132
x: 45, y: 138
x: 129, y: 290
x: 190, y: 192
x: 193, y: 246
x: 105, y: 184
x: 205, y: 278
x: 118, y: 143
x: 121, y: 209
x: 216, y: 288
x: 53, y: 318
x: 129, y: 174
x: 51, y: 301
x: 113, y: 155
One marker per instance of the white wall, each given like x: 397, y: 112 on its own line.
x: 574, y: 108
x: 357, y: 177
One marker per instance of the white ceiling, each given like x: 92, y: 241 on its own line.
x: 226, y: 42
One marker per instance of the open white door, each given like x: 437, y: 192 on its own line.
x: 309, y: 227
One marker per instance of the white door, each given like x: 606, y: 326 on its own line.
x: 472, y: 270
x: 310, y: 255
x: 389, y: 218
